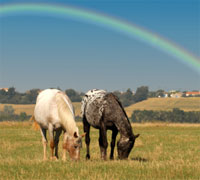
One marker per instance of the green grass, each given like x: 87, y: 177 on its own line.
x: 163, y: 151
x: 166, y: 104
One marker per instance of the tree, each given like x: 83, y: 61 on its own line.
x: 141, y: 94
x: 9, y: 110
x: 152, y: 94
x: 30, y: 97
x: 117, y: 93
x: 11, y: 92
x: 73, y: 95
x: 125, y: 98
x: 23, y: 116
x: 2, y: 92
x: 160, y: 93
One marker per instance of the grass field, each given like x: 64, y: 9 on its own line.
x: 163, y: 151
x: 165, y: 104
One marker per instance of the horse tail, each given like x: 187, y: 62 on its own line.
x: 35, y: 124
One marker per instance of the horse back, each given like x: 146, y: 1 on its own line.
x: 108, y: 108
x: 92, y: 106
x: 45, y: 111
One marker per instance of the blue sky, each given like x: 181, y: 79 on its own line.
x: 37, y: 51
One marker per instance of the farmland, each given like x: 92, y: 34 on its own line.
x: 163, y: 151
x: 165, y: 104
x: 29, y: 108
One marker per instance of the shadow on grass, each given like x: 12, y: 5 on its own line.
x: 139, y: 159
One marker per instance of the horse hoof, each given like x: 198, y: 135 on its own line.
x: 87, y: 156
x: 54, y: 158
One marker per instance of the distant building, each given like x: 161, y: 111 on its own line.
x: 195, y: 93
x: 166, y: 95
x: 176, y: 95
x: 172, y: 91
x: 5, y: 89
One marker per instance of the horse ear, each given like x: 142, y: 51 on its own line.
x: 136, y: 136
x: 75, y: 135
x: 83, y: 135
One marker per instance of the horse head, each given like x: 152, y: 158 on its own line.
x: 125, y: 145
x: 73, y: 144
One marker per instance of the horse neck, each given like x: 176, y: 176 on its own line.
x: 121, y: 119
x: 69, y: 125
x: 66, y: 114
x: 124, y: 127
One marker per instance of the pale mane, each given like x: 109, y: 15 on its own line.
x: 66, y: 113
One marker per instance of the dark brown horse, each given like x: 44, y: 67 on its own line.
x: 104, y: 111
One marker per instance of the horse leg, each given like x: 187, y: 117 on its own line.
x: 103, y: 143
x: 44, y: 142
x: 86, y: 128
x: 51, y: 134
x: 112, y: 144
x: 64, y: 146
x: 56, y: 141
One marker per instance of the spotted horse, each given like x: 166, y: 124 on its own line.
x: 103, y: 110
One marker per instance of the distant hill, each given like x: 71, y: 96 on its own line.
x: 29, y: 108
x: 166, y: 104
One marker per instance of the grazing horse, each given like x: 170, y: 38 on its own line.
x: 103, y: 111
x: 54, y: 112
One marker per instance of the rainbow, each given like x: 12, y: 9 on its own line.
x: 106, y: 21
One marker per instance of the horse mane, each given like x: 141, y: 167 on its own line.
x: 66, y: 113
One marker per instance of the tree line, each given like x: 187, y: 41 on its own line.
x: 29, y: 97
x: 176, y: 116
x: 126, y: 98
x: 13, y: 97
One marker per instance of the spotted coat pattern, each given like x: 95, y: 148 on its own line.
x: 103, y: 111
x: 93, y: 106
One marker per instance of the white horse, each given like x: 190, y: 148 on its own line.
x: 54, y: 112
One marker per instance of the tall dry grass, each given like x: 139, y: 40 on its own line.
x: 29, y: 108
x: 166, y: 104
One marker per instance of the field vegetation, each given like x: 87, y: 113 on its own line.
x: 155, y: 104
x: 166, y: 104
x: 163, y: 151
x: 29, y: 108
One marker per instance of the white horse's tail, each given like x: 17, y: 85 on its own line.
x: 35, y: 124
x: 66, y: 113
